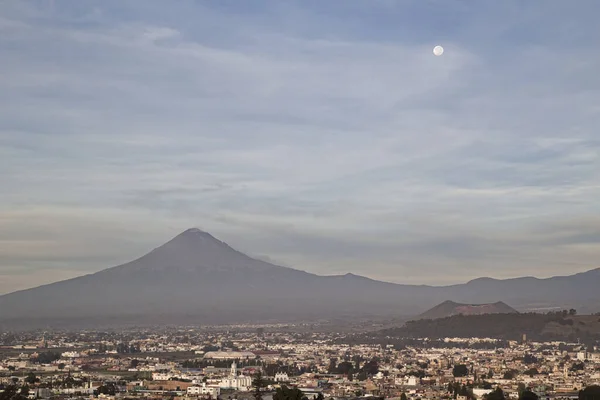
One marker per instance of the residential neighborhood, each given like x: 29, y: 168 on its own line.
x: 222, y: 362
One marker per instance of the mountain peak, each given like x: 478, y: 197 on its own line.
x: 194, y: 231
x: 194, y: 236
x: 449, y: 308
x: 192, y: 252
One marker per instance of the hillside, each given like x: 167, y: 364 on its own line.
x: 503, y: 326
x: 197, y: 279
x: 450, y: 308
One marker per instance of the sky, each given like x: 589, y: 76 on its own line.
x: 322, y: 135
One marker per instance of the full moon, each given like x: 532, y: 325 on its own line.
x: 438, y: 50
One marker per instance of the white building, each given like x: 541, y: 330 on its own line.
x: 157, y: 376
x: 594, y: 356
x: 281, y: 377
x: 235, y: 381
x: 204, y: 390
x: 407, y: 381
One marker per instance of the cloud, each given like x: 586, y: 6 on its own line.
x: 323, y: 135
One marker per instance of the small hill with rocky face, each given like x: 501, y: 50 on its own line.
x: 450, y: 308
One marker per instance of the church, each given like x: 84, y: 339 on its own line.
x: 236, y: 382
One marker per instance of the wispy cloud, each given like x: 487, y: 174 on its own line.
x: 322, y: 134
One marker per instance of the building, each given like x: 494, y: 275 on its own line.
x: 157, y: 376
x: 235, y: 381
x: 407, y: 381
x: 267, y: 355
x: 281, y: 377
x: 204, y: 390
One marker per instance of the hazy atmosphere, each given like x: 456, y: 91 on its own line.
x: 321, y: 135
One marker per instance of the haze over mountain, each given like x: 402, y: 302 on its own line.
x: 196, y: 278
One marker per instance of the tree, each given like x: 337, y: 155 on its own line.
x: 345, y: 368
x: 258, y: 382
x: 320, y: 396
x: 61, y: 366
x: 532, y: 371
x: 497, y: 394
x: 332, y: 369
x: 108, y: 389
x: 528, y: 395
x: 419, y: 373
x: 134, y: 363
x: 403, y: 396
x: 31, y: 378
x: 509, y: 375
x: 572, y: 311
x: 456, y: 389
x: 371, y: 367
x: 464, y: 391
x: 11, y: 393
x: 590, y: 393
x: 460, y: 370
x: 578, y: 367
x: 285, y: 393
x: 529, y: 359
x: 357, y: 360
x: 25, y: 391
x: 48, y: 357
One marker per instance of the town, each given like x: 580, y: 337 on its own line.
x: 290, y: 361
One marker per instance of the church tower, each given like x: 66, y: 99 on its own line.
x: 233, y: 369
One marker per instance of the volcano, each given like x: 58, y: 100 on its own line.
x: 196, y: 278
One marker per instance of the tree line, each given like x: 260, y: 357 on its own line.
x: 498, y: 326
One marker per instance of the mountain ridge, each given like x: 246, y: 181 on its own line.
x: 450, y: 308
x: 197, y: 274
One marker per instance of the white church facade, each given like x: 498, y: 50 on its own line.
x: 236, y: 382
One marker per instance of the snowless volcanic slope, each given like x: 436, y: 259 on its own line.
x: 197, y: 278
